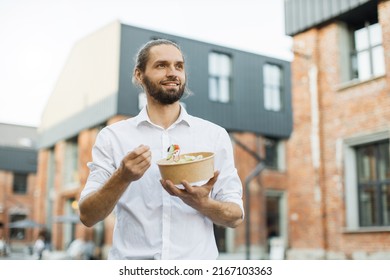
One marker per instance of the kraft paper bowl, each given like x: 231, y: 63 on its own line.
x: 191, y: 171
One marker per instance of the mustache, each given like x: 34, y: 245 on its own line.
x: 173, y: 79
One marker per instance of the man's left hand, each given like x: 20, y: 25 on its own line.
x: 194, y: 196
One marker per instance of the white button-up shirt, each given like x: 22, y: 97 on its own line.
x: 150, y: 223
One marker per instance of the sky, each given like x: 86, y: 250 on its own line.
x: 36, y: 37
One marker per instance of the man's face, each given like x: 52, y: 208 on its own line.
x: 164, y: 77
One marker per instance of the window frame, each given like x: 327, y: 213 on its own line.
x: 219, y: 77
x: 279, y: 158
x: 17, y: 182
x: 71, y: 163
x: 375, y: 185
x: 354, y: 68
x: 352, y: 214
x: 269, y: 86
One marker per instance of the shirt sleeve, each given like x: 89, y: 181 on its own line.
x: 102, y: 166
x: 228, y: 187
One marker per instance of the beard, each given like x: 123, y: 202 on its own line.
x: 162, y: 95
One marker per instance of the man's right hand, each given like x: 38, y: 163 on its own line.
x: 135, y: 163
x: 98, y: 205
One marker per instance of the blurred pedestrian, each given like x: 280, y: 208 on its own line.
x: 39, y: 245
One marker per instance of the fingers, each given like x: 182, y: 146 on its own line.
x: 187, y: 186
x: 209, y: 185
x: 212, y: 181
x: 203, y: 190
x: 141, y: 152
x: 136, y: 162
x: 171, y: 188
x: 164, y: 184
x: 140, y: 156
x: 195, y: 196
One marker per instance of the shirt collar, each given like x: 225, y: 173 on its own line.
x: 143, y: 117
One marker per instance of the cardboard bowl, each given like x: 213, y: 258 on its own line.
x: 191, y: 171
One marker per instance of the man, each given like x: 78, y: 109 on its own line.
x: 154, y: 218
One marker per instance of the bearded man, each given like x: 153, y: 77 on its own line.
x: 156, y: 219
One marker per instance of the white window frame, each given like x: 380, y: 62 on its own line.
x: 350, y: 176
x: 71, y: 165
x: 272, y: 87
x: 373, y: 67
x: 220, y: 77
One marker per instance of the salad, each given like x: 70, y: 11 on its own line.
x: 174, y: 155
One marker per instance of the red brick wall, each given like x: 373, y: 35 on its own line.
x: 267, y: 180
x: 316, y: 195
x: 245, y: 163
x: 41, y: 194
x: 24, y: 202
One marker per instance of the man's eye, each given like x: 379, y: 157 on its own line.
x: 160, y: 66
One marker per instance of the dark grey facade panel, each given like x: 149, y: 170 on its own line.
x: 90, y: 117
x: 301, y: 15
x: 131, y: 40
x: 18, y: 160
x: 245, y: 112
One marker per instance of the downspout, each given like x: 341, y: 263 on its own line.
x: 315, y: 139
x: 255, y: 172
x: 259, y: 167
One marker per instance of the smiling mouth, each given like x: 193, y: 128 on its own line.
x: 170, y: 84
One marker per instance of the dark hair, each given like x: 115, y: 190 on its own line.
x: 142, y: 56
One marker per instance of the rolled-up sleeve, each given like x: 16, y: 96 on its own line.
x: 228, y: 187
x: 102, y: 166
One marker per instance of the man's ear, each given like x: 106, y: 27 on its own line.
x: 138, y: 76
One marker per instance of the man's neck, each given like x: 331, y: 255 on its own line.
x: 163, y: 115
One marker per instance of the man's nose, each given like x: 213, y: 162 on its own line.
x: 172, y: 71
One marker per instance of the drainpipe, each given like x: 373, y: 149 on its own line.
x: 259, y: 167
x: 255, y: 172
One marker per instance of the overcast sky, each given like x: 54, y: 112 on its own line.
x: 36, y: 37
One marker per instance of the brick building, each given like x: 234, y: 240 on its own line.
x: 18, y: 165
x: 338, y: 154
x: 246, y: 93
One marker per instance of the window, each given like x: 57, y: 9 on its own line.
x: 367, y: 54
x: 274, y: 154
x: 373, y: 178
x: 276, y: 223
x: 367, y: 181
x: 71, y: 163
x: 273, y: 87
x: 220, y: 77
x: 20, y: 183
x: 271, y: 153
